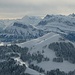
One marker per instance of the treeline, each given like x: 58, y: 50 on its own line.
x: 8, y: 66
x: 51, y: 72
x: 12, y: 51
x: 63, y: 50
x: 34, y: 57
x: 37, y: 68
x: 15, y: 51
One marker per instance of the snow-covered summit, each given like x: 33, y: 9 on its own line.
x: 32, y: 20
x: 57, y: 23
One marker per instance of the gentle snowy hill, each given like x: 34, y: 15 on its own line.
x: 41, y: 45
x: 47, y: 39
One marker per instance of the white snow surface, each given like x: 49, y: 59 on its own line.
x: 44, y: 40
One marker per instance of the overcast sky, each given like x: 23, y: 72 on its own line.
x: 20, y: 8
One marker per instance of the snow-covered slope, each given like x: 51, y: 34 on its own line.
x: 22, y: 32
x: 30, y: 26
x: 41, y: 44
x: 7, y: 54
x: 58, y: 23
x: 47, y: 39
x: 8, y: 23
x: 20, y: 29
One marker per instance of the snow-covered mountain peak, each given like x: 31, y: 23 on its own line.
x: 28, y: 20
x: 50, y: 16
x: 57, y: 23
x: 31, y: 17
x: 32, y: 20
x: 18, y: 24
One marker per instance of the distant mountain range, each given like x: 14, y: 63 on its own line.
x: 30, y: 27
x: 58, y: 23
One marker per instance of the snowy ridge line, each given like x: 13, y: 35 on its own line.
x: 46, y: 39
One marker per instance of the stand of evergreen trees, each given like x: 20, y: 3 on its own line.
x: 9, y: 67
x: 63, y: 51
x: 34, y: 57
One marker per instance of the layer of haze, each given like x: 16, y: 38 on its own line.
x: 19, y: 8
